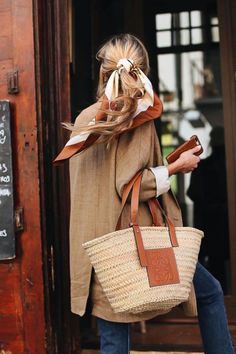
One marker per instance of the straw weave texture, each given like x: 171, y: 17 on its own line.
x: 115, y: 260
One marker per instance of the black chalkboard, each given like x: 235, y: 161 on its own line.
x: 7, y: 229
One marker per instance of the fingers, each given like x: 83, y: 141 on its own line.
x: 197, y: 159
x: 194, y: 167
x: 196, y: 149
x: 188, y: 161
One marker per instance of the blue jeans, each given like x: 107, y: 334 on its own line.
x: 211, y: 314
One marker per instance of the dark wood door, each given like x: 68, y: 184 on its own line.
x: 51, y: 28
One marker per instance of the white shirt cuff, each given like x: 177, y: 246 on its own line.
x: 162, y: 179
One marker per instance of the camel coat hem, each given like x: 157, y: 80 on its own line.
x: 97, y: 178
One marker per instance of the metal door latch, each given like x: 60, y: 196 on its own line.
x: 13, y: 82
x: 19, y: 219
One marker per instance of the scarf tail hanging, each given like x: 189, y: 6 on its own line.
x: 153, y: 112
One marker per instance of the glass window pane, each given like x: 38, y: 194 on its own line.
x: 194, y: 109
x: 167, y: 80
x: 184, y: 19
x: 191, y: 78
x: 196, y: 20
x: 184, y: 37
x: 214, y: 21
x: 163, y: 21
x: 215, y: 34
x: 164, y: 39
x: 196, y: 36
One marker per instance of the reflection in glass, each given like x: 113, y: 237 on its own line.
x: 163, y: 21
x: 209, y: 193
x: 167, y: 80
x: 164, y: 39
x: 192, y: 77
x: 190, y: 88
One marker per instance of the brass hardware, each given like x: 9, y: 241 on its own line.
x: 13, y: 82
x: 19, y: 219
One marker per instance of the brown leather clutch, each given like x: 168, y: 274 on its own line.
x: 187, y: 145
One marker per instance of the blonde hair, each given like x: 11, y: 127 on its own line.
x: 130, y: 85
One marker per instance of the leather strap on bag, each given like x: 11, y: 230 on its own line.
x: 153, y: 259
x: 127, y: 189
x: 153, y: 209
x: 125, y: 195
x: 153, y: 203
x: 134, y: 222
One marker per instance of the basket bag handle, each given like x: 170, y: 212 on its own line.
x: 153, y: 204
x: 127, y: 189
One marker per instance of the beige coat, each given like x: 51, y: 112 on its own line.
x: 97, y: 177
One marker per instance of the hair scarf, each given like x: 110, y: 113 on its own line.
x: 149, y: 107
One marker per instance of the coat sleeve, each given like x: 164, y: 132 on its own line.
x: 134, y: 153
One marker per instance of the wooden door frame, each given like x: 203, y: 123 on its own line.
x: 226, y: 11
x: 53, y: 106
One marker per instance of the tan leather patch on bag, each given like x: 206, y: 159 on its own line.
x: 162, y: 268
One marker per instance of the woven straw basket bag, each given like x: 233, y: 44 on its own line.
x: 145, y: 268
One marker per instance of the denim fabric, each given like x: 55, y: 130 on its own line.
x: 211, y: 314
x: 114, y: 337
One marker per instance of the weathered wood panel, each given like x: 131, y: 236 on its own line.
x: 5, y: 33
x: 22, y: 324
x: 5, y: 67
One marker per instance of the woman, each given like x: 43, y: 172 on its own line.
x: 119, y: 136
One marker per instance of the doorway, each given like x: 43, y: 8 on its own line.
x: 70, y: 71
x: 184, y: 44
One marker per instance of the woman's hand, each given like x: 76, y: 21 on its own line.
x: 187, y: 162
